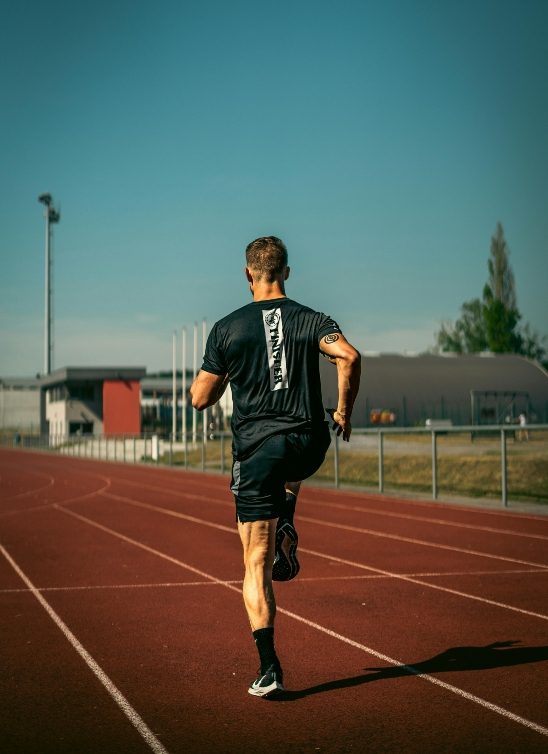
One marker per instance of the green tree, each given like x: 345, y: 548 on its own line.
x: 501, y: 285
x: 468, y: 334
x: 491, y: 324
x: 533, y: 345
x: 500, y: 311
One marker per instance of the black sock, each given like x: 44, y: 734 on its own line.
x: 288, y: 508
x: 264, y: 639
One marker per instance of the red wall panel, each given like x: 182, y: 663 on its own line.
x: 121, y: 407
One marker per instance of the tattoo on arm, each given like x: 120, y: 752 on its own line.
x: 331, y: 338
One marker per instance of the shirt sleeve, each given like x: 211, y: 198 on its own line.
x: 327, y: 325
x: 214, y: 360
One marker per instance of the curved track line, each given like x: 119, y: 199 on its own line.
x: 135, y: 719
x: 31, y: 492
x: 368, y: 650
x: 390, y: 496
x: 53, y: 503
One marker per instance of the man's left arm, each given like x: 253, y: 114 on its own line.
x: 348, y: 362
x: 207, y: 389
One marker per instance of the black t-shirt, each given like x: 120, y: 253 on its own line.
x: 270, y: 350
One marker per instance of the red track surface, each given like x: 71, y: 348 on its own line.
x: 137, y: 572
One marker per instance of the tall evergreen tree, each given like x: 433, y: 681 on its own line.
x: 500, y: 312
x: 491, y: 324
x: 501, y: 278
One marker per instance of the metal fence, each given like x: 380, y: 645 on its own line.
x: 424, y: 459
x: 494, y: 440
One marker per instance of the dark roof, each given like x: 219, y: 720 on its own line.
x: 87, y: 374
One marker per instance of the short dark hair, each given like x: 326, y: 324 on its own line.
x: 267, y: 256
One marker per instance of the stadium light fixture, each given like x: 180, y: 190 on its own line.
x: 45, y: 199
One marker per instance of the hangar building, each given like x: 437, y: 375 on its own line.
x: 463, y: 388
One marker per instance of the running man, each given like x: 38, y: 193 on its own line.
x: 269, y: 352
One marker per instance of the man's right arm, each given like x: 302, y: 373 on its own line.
x: 207, y: 389
x: 348, y: 362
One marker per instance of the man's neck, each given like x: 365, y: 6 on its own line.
x: 266, y: 291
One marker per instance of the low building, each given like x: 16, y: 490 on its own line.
x: 157, y: 405
x: 91, y: 401
x: 20, y: 404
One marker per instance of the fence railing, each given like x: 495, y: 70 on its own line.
x: 381, y: 457
x: 502, y: 433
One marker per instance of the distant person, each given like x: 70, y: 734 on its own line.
x: 523, y: 433
x: 268, y: 350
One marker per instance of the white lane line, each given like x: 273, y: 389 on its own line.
x: 107, y: 587
x: 135, y: 719
x: 224, y: 503
x: 444, y: 505
x: 358, y: 577
x: 421, y: 542
x: 413, y: 671
x: 425, y: 676
x: 131, y: 541
x: 439, y: 588
x: 352, y: 563
x: 176, y: 493
x: 424, y: 519
x: 169, y: 512
x: 308, y: 491
x: 177, y: 514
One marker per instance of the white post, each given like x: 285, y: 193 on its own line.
x: 183, y: 417
x: 194, y: 373
x: 174, y: 388
x: 204, y: 338
x: 504, y: 468
x: 47, y: 313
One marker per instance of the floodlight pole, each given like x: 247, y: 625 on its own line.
x: 204, y: 339
x: 47, y: 314
x: 174, y: 390
x: 52, y: 216
x: 183, y: 417
x: 194, y: 373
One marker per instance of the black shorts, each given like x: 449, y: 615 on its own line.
x: 258, y: 482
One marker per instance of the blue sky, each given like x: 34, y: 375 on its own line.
x: 381, y: 140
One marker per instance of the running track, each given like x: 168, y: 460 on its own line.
x: 412, y: 627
